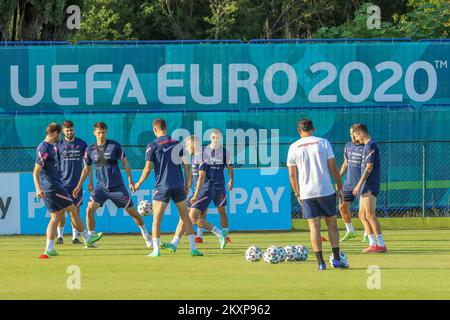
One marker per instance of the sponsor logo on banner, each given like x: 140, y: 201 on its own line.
x: 265, y: 206
x: 9, y: 203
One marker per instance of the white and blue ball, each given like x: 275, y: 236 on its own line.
x: 343, y: 257
x: 145, y: 208
x: 253, y: 254
x: 272, y: 255
x: 303, y: 253
x: 291, y: 253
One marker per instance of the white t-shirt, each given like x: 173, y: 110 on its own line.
x: 310, y: 155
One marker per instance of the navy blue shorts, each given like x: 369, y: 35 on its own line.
x: 203, y: 200
x: 319, y: 207
x: 57, y: 201
x: 118, y: 195
x: 177, y: 195
x: 78, y: 201
x: 220, y: 197
x: 375, y: 190
x: 348, y: 196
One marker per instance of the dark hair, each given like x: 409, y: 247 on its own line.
x: 305, y: 125
x: 100, y: 125
x: 53, y: 127
x: 160, y: 124
x: 361, y: 129
x: 67, y: 124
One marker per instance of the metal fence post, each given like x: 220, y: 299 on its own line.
x: 424, y: 178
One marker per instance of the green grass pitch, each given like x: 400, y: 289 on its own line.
x: 417, y: 266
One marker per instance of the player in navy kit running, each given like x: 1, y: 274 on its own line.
x: 368, y: 189
x: 50, y: 188
x: 165, y: 155
x: 218, y: 158
x: 352, y: 165
x: 70, y: 154
x: 203, y: 194
x: 105, y: 154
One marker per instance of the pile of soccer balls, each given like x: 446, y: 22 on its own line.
x: 274, y: 254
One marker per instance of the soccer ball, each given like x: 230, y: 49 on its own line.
x: 145, y: 208
x: 342, y: 256
x: 282, y: 253
x: 253, y: 254
x: 272, y: 255
x: 291, y: 253
x: 303, y: 253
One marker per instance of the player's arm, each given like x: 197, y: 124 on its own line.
x: 344, y: 168
x: 332, y: 167
x: 231, y: 176
x: 145, y: 173
x: 36, y: 172
x: 364, y: 176
x: 293, y: 179
x: 187, y: 174
x: 91, y: 181
x: 127, y: 168
x: 87, y: 170
x: 200, y: 182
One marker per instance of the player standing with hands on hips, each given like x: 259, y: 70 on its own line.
x: 368, y: 188
x: 310, y: 162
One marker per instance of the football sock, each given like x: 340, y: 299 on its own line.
x: 372, y: 240
x: 144, y: 232
x: 380, y: 240
x: 336, y: 254
x: 74, y: 234
x: 91, y: 232
x: 365, y: 233
x: 199, y: 232
x: 319, y: 257
x: 60, y: 232
x: 175, y: 241
x: 217, y: 231
x: 225, y: 231
x: 191, y: 239
x: 349, y: 227
x: 155, y: 244
x: 49, y: 245
x: 85, y: 235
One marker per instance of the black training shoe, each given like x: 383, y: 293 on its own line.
x: 59, y: 241
x: 76, y: 241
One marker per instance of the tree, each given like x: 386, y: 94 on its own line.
x: 222, y: 17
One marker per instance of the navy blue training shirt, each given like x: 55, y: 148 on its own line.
x: 371, y: 154
x: 47, y: 158
x: 353, y: 154
x: 71, y: 161
x: 107, y: 168
x: 199, y: 164
x: 217, y: 159
x: 166, y: 154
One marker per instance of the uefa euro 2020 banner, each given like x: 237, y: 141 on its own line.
x: 226, y: 77
x: 250, y: 206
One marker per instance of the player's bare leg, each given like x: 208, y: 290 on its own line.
x: 60, y: 229
x: 88, y: 237
x: 224, y: 222
x: 316, y: 241
x: 55, y: 217
x: 344, y: 209
x: 198, y: 218
x: 141, y: 225
x: 90, y: 215
x: 376, y: 238
x: 74, y: 230
x: 158, y: 212
x: 333, y: 233
x: 188, y: 227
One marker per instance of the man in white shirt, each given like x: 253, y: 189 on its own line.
x: 310, y: 162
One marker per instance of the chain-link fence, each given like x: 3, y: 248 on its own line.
x: 415, y: 175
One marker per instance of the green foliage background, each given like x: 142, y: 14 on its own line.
x: 22, y: 20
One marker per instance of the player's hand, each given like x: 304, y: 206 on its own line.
x: 356, y: 191
x: 230, y: 185
x: 40, y: 194
x: 299, y: 200
x: 132, y: 187
x: 90, y: 187
x: 193, y: 200
x: 136, y: 186
x: 76, y: 191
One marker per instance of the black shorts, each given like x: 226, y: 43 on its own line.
x: 348, y: 196
x: 177, y: 195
